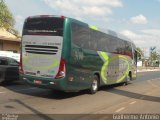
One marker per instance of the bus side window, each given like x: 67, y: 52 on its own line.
x: 80, y: 35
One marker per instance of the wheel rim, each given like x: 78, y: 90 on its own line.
x: 128, y: 78
x: 94, y: 85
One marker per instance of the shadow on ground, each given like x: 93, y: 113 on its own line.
x: 23, y: 88
x: 53, y: 94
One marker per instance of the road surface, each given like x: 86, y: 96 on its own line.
x: 141, y: 96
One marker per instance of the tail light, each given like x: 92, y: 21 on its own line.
x: 20, y: 65
x: 62, y: 17
x: 62, y: 69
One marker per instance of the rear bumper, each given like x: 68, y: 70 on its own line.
x: 56, y: 84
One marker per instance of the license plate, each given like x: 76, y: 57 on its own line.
x: 37, y: 82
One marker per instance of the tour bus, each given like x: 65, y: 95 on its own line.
x: 65, y: 54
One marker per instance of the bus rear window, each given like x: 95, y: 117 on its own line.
x: 43, y: 26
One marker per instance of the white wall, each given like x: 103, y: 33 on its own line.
x: 15, y: 56
x: 139, y: 63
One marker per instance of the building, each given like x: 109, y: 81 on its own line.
x: 9, y: 42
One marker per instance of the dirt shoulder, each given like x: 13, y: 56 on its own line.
x: 146, y: 69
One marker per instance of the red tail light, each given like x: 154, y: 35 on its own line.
x: 62, y: 69
x: 20, y: 65
x: 62, y: 17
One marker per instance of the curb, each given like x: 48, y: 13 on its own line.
x: 148, y: 70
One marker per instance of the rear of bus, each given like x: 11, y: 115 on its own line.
x: 42, y: 63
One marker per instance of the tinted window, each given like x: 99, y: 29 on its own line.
x: 3, y: 62
x: 80, y: 35
x: 13, y: 62
x: 113, y: 44
x: 128, y: 49
x: 85, y: 37
x: 98, y: 37
x: 45, y: 25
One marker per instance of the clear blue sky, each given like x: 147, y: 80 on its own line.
x: 137, y: 19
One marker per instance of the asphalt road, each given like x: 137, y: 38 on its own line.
x: 141, y: 96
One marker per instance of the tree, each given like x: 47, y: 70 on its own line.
x: 154, y: 56
x: 140, y: 53
x: 14, y: 32
x: 6, y: 18
x: 154, y: 59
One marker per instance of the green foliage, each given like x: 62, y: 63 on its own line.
x: 14, y: 32
x: 154, y: 59
x: 140, y: 53
x: 6, y: 18
x: 154, y: 56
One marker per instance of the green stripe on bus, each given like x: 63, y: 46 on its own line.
x: 107, y: 60
x: 53, y: 65
x: 127, y: 71
x: 93, y: 27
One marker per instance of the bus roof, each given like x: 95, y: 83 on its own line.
x: 38, y: 16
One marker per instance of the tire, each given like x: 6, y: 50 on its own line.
x: 128, y: 79
x: 2, y: 78
x: 94, y: 85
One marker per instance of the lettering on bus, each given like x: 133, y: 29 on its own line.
x: 52, y: 44
x: 78, y: 55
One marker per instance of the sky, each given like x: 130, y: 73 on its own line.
x: 139, y: 20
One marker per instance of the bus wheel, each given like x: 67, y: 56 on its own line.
x: 2, y: 78
x: 94, y: 85
x: 128, y: 79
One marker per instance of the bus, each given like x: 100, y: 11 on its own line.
x: 62, y: 53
